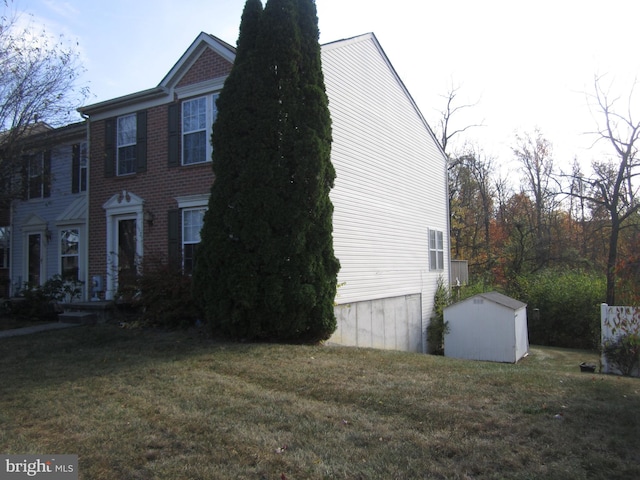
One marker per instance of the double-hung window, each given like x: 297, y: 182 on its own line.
x: 36, y: 172
x: 436, y: 250
x: 198, y: 115
x: 126, y: 145
x: 194, y: 131
x: 192, y: 220
x: 38, y: 176
x: 79, y: 168
x: 70, y: 253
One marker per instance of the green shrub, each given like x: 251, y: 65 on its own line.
x: 438, y: 328
x: 562, y: 307
x: 39, y: 302
x: 623, y: 353
x: 165, y: 296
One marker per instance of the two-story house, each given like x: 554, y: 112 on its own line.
x: 150, y: 177
x: 150, y: 172
x: 47, y: 233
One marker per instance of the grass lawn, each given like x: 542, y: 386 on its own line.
x: 158, y: 405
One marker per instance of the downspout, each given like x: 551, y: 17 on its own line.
x: 448, y: 246
x: 11, y: 250
x: 85, y: 250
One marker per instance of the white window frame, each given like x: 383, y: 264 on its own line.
x: 124, y: 143
x: 64, y: 255
x: 436, y: 250
x: 191, y: 241
x: 211, y: 114
x: 190, y: 202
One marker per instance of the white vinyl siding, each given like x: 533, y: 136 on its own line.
x: 391, y: 177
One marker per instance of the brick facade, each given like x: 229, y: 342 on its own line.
x: 209, y: 65
x: 160, y: 184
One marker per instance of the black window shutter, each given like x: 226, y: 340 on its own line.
x: 46, y: 174
x: 174, y: 134
x: 110, y: 147
x: 75, y: 168
x: 141, y: 142
x: 174, y: 237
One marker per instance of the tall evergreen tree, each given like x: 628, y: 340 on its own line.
x: 266, y: 267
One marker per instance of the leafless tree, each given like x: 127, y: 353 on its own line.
x: 535, y: 155
x: 38, y: 77
x: 613, y: 187
x: 451, y: 110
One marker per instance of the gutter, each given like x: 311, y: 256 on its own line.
x: 131, y: 99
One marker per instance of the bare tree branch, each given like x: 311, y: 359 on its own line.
x: 451, y: 110
x: 38, y: 89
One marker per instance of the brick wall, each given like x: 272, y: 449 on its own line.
x: 158, y: 185
x: 208, y: 66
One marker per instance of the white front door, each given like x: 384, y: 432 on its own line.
x: 125, y: 229
x: 34, y: 259
x: 127, y: 262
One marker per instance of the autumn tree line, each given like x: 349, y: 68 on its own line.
x: 561, y: 239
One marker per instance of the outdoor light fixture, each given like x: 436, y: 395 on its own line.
x: 149, y: 217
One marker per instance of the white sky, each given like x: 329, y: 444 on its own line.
x: 529, y: 64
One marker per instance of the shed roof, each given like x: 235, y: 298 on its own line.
x: 503, y: 300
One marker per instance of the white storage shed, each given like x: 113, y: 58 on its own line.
x: 488, y: 326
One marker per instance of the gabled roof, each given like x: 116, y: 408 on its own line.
x: 501, y: 299
x: 372, y: 37
x: 188, y: 58
x: 41, y: 135
x: 228, y: 52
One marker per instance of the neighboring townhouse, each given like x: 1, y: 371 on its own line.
x: 151, y: 174
x: 48, y: 232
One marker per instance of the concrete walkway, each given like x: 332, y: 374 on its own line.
x: 36, y: 329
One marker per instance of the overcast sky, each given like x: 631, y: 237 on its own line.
x: 528, y: 63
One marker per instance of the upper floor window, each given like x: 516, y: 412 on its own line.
x: 126, y: 145
x: 436, y: 250
x: 79, y: 168
x: 198, y: 115
x: 38, y: 176
x: 194, y: 131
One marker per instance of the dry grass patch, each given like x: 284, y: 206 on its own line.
x: 157, y: 405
